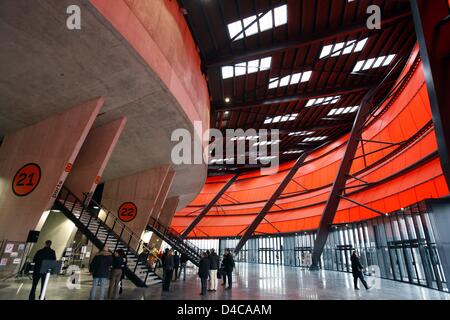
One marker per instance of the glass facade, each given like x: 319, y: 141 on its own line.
x: 399, y: 247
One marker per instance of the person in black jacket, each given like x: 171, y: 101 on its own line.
x: 228, y: 265
x: 183, y: 262
x: 46, y: 253
x: 176, y: 265
x: 116, y: 274
x: 203, y: 272
x: 99, y: 268
x: 357, y: 269
x: 168, y: 266
x: 214, y: 266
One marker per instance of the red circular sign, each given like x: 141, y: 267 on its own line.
x: 26, y: 179
x: 127, y: 211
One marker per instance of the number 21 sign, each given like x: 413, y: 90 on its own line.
x: 26, y: 179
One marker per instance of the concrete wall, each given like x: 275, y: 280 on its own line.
x: 53, y: 144
x: 142, y: 189
x: 57, y: 228
x: 93, y: 157
x: 165, y: 218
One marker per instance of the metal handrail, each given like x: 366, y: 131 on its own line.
x: 108, y: 215
x: 170, y: 232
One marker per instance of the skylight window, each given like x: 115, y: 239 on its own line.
x: 264, y: 142
x: 300, y: 133
x: 345, y: 110
x: 293, y: 152
x: 220, y: 161
x: 341, y: 48
x: 264, y: 158
x: 286, y: 117
x: 289, y: 79
x: 258, y: 23
x: 323, y: 101
x: 373, y: 63
x: 247, y: 67
x: 313, y: 139
x: 244, y: 138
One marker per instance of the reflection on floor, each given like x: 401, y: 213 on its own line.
x: 252, y: 282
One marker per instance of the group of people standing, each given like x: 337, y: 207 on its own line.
x: 173, y: 264
x: 107, y: 265
x: 209, y: 269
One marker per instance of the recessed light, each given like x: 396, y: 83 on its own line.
x: 227, y: 100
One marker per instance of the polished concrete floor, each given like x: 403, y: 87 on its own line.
x: 252, y: 282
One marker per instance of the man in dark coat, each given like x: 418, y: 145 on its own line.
x: 228, y: 264
x: 46, y: 253
x: 214, y: 266
x: 203, y: 272
x: 176, y: 265
x: 99, y: 268
x: 357, y: 269
x: 168, y: 265
x: 183, y: 261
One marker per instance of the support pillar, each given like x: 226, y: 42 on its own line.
x: 133, y: 198
x: 93, y: 158
x: 34, y: 163
x: 165, y: 218
x: 432, y: 24
x: 208, y: 207
x: 269, y: 204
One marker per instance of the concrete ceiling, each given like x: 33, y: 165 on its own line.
x: 46, y: 68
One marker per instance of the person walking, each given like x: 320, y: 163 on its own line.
x: 99, y: 268
x: 213, y: 267
x: 116, y: 274
x: 176, y: 265
x: 168, y: 266
x: 183, y: 263
x: 222, y: 270
x: 228, y: 263
x: 163, y: 257
x: 46, y: 253
x: 125, y: 263
x: 203, y: 272
x: 357, y: 271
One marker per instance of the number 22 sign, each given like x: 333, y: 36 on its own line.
x: 127, y: 211
x: 26, y: 179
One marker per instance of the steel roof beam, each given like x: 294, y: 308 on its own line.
x: 300, y: 42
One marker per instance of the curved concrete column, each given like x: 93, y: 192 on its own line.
x: 50, y: 145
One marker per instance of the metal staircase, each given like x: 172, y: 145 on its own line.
x: 102, y: 228
x: 174, y: 239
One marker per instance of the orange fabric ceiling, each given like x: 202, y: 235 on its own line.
x: 302, y: 202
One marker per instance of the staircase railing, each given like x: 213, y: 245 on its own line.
x: 174, y: 238
x: 106, y: 218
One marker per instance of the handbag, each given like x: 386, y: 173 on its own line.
x: 219, y: 273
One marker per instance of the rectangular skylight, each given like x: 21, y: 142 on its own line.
x: 323, y: 101
x: 300, y: 133
x: 313, y: 139
x: 341, y: 48
x: 293, y: 152
x: 266, y: 158
x: 373, y: 63
x: 258, y: 23
x: 289, y: 79
x: 220, y: 161
x: 247, y: 67
x: 286, y: 117
x: 264, y: 142
x: 345, y: 110
x: 244, y: 138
